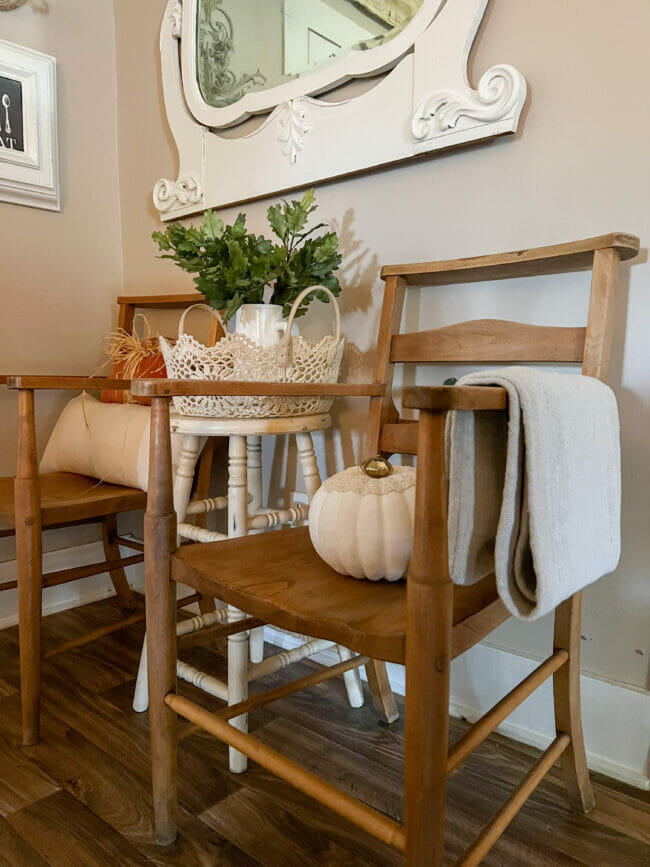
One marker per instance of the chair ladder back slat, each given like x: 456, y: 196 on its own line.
x: 382, y: 409
x: 490, y: 340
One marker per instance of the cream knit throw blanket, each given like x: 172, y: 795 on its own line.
x: 535, y: 496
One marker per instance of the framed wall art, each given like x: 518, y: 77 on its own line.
x: 29, y: 172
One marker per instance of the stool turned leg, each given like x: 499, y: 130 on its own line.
x: 255, y: 490
x: 308, y: 463
x: 184, y: 475
x: 352, y: 679
x: 237, y: 644
x: 29, y: 567
x: 237, y: 687
x: 566, y: 694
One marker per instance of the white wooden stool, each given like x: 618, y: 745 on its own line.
x: 245, y: 515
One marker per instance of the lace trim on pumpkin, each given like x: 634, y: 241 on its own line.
x: 355, y: 480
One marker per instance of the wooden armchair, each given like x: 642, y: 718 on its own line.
x: 424, y: 621
x: 31, y: 503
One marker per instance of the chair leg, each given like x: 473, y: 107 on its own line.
x: 566, y: 694
x: 426, y: 734
x: 27, y: 496
x: 160, y: 599
x: 381, y: 692
x: 28, y: 559
x: 112, y: 552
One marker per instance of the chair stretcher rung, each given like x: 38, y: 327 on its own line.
x: 365, y: 817
x: 290, y: 688
x: 494, y: 717
x: 495, y: 828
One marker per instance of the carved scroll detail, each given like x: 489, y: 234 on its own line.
x: 167, y: 194
x: 501, y: 90
x: 293, y: 127
x: 176, y: 18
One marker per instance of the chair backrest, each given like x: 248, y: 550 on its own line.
x: 494, y: 340
x: 130, y: 304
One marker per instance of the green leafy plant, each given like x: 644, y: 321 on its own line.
x: 234, y: 266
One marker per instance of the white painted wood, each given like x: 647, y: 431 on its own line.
x: 282, y: 660
x: 203, y: 681
x: 31, y: 176
x: 308, y: 464
x: 268, y: 518
x: 255, y: 496
x: 225, y: 427
x: 352, y: 679
x: 422, y: 102
x: 211, y: 504
x: 184, y: 476
x: 198, y: 534
x: 237, y: 487
x: 238, y: 653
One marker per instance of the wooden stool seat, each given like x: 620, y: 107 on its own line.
x: 282, y: 580
x: 68, y: 498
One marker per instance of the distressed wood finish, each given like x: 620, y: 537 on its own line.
x: 424, y: 621
x: 29, y: 567
x: 566, y: 696
x: 490, y: 340
x: 94, y: 758
x: 429, y: 604
x: 232, y: 388
x: 554, y: 259
x: 448, y: 397
x: 159, y: 542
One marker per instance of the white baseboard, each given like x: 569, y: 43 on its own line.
x: 616, y: 718
x: 65, y: 595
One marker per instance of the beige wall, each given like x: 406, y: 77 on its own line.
x: 577, y: 168
x: 60, y: 272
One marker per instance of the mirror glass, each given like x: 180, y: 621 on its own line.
x: 252, y: 45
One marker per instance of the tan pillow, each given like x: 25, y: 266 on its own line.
x: 107, y: 441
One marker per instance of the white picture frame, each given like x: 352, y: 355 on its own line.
x: 29, y: 169
x: 421, y: 102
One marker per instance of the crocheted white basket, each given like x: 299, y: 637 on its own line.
x: 236, y: 358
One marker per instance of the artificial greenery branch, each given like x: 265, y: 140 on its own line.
x: 234, y: 266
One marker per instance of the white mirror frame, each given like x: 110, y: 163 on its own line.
x: 423, y: 102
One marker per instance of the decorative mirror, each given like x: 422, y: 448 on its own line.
x: 265, y: 96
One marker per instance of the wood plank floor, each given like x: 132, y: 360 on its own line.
x: 81, y: 797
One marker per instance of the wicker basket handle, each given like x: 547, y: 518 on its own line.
x: 285, y: 351
x: 181, y: 322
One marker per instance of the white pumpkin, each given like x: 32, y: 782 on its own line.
x: 362, y: 525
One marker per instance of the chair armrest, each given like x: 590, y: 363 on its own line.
x: 73, y: 383
x: 230, y: 388
x: 448, y: 397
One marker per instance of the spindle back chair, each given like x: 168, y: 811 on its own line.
x: 424, y: 621
x: 31, y: 503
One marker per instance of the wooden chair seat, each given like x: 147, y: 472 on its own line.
x: 283, y: 581
x: 69, y: 498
